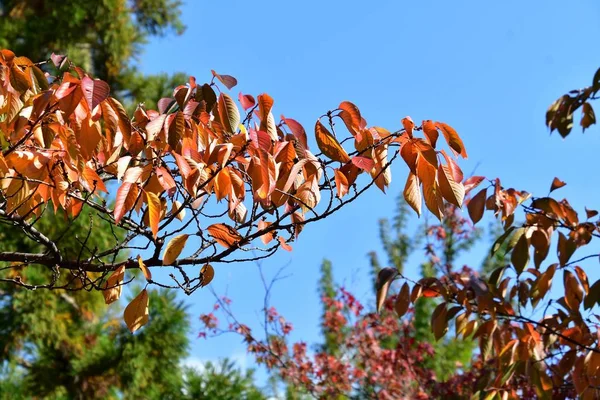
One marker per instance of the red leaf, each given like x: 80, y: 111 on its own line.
x: 126, y: 198
x: 95, y: 91
x: 246, y: 100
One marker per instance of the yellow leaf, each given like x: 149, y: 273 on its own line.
x: 136, y: 312
x: 145, y: 270
x: 154, y: 210
x: 173, y: 249
x: 208, y: 273
x: 329, y: 145
x: 114, y: 284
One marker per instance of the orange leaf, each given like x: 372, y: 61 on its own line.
x: 174, y: 248
x: 433, y: 199
x: 284, y: 245
x: 412, y: 193
x: 431, y: 132
x: 136, y: 312
x: 224, y: 234
x: 341, y: 183
x: 154, y: 211
x: 329, y: 144
x: 454, y: 141
x: 453, y: 192
x: 267, y: 121
x: 267, y: 237
x: 350, y: 114
x: 145, y: 270
x: 556, y: 184
x: 364, y: 163
x: 472, y: 182
x: 126, y: 197
x: 113, y: 286
x: 93, y: 180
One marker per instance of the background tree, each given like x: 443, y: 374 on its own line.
x: 103, y: 37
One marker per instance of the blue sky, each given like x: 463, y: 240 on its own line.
x: 489, y: 69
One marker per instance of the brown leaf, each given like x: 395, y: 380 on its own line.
x: 590, y: 213
x: 565, y: 249
x: 520, y: 254
x: 412, y: 193
x: 173, y: 249
x: 439, y: 322
x: 476, y: 206
x: 588, y: 117
x: 145, y: 270
x: 329, y: 144
x: 136, y: 312
x: 227, y: 80
x: 224, y: 234
x: 402, y: 300
x: 208, y: 273
x: 573, y: 290
x: 114, y: 284
x: 556, y: 184
x: 382, y: 284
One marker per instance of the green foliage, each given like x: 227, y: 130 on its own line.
x: 327, y: 289
x: 221, y: 381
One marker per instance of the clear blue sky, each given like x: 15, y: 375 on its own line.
x: 489, y: 69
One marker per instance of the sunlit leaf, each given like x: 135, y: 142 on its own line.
x: 225, y: 235
x: 329, y: 145
x: 412, y: 193
x: 113, y: 287
x: 174, y: 248
x: 207, y: 273
x: 136, y: 312
x: 145, y: 270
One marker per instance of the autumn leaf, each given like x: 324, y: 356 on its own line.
x: 227, y: 80
x: 284, y: 244
x: 476, y: 205
x: 403, y: 300
x: 126, y: 198
x: 556, y: 184
x: 341, y: 183
x: 95, y: 91
x: 452, y: 138
x: 225, y: 235
x: 154, y: 211
x: 174, y: 248
x: 229, y: 113
x: 136, y: 312
x: 114, y: 285
x: 412, y: 193
x: 145, y: 270
x: 452, y: 191
x: 382, y: 285
x: 207, y: 274
x: 266, y: 237
x: 329, y: 145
